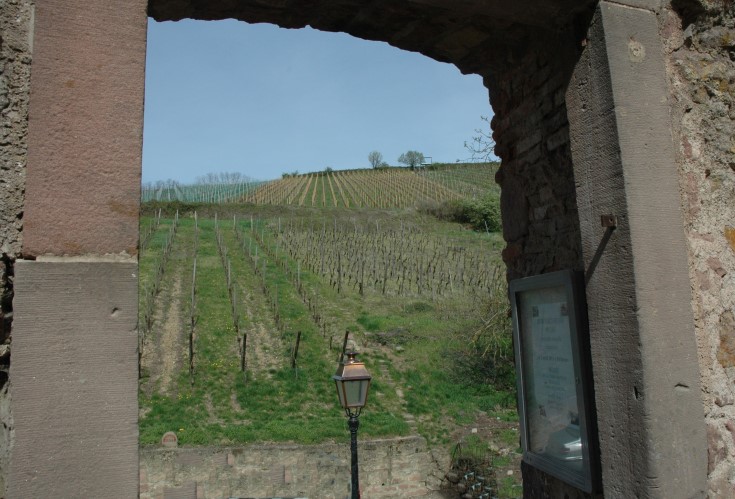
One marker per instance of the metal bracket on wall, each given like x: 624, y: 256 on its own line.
x: 609, y: 221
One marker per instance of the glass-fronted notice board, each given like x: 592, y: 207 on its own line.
x: 554, y: 377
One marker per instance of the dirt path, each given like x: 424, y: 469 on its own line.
x: 264, y: 344
x: 388, y: 380
x: 161, y: 355
x: 171, y: 340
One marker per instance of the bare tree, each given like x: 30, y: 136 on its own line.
x: 375, y: 158
x: 482, y: 145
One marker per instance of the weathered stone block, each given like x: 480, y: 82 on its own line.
x: 647, y: 346
x: 85, y: 128
x: 75, y: 380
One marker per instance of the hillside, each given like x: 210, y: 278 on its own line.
x: 385, y: 279
x: 243, y: 316
x: 385, y: 188
x: 377, y: 188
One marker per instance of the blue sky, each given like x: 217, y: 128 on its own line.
x: 228, y: 96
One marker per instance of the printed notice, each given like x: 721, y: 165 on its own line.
x: 552, y: 363
x: 551, y: 391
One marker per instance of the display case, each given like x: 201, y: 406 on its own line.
x: 555, y: 390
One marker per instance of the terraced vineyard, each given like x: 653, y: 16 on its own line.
x: 468, y: 181
x: 243, y: 319
x: 379, y: 188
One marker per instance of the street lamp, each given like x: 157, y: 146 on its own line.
x: 353, y: 383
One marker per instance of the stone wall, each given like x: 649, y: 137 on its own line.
x: 73, y: 375
x: 15, y: 69
x: 402, y: 467
x: 15, y: 82
x: 531, y: 132
x: 699, y: 40
x: 538, y: 194
x: 647, y: 380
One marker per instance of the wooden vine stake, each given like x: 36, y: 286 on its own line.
x: 243, y: 362
x: 344, y: 347
x: 192, y: 308
x: 295, y: 353
x: 192, y: 322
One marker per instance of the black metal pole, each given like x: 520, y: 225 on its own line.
x: 354, y: 423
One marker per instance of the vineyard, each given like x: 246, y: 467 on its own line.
x: 243, y: 319
x: 378, y: 188
x: 468, y: 181
x: 213, y: 192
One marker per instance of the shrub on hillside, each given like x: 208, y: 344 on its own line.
x: 444, y: 210
x: 480, y: 214
x: 486, y: 352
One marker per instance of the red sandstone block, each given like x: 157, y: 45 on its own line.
x: 85, y: 128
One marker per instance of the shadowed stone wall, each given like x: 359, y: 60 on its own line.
x: 530, y: 127
x: 538, y: 196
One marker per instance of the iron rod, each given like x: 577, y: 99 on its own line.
x: 354, y: 423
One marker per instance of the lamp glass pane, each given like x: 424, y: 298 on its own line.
x: 354, y: 392
x: 340, y: 392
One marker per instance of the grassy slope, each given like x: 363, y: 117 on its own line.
x: 286, y: 405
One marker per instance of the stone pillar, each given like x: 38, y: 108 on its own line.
x: 650, y: 413
x: 74, y: 370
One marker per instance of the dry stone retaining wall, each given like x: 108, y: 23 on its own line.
x: 388, y: 469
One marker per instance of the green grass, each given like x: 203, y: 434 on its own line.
x: 224, y: 406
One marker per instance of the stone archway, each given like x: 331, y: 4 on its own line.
x: 572, y: 85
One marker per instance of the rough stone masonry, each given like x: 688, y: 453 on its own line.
x: 699, y: 41
x: 389, y: 468
x: 15, y: 66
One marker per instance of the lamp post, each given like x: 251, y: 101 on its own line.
x: 353, y: 383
